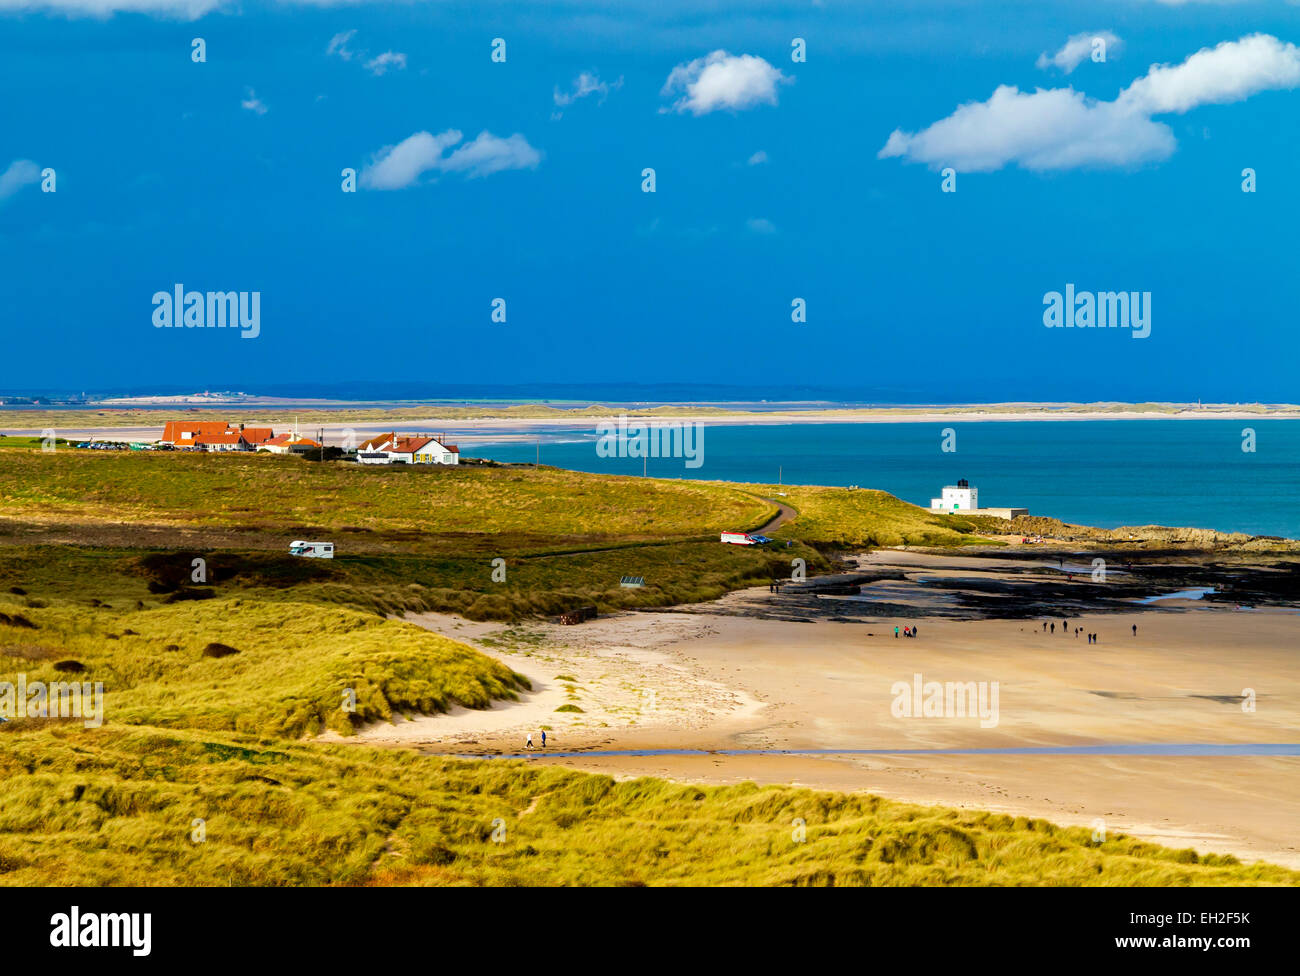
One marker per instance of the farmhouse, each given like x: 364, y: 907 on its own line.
x: 181, y: 433
x: 214, y: 435
x: 393, y: 448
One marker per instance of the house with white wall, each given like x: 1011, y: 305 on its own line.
x: 393, y: 448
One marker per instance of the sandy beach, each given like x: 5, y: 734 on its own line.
x: 497, y: 430
x: 713, y: 678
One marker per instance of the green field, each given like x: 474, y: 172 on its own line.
x: 423, y: 538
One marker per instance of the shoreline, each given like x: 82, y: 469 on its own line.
x: 669, y: 693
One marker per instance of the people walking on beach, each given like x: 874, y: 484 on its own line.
x: 1044, y: 626
x: 543, y: 738
x: 913, y: 630
x: 895, y: 633
x: 1053, y: 627
x: 529, y: 744
x: 1135, y: 630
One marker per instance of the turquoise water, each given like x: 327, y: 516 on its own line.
x: 1106, y: 473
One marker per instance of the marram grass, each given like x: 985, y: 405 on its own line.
x: 295, y: 665
x: 125, y: 806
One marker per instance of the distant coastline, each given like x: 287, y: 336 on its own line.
x: 142, y: 412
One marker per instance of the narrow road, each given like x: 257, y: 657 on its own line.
x: 785, y: 514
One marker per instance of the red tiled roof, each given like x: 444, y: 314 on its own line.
x: 174, y: 429
x: 222, y: 438
x: 258, y: 435
x: 374, y: 443
x: 279, y: 440
x: 410, y: 445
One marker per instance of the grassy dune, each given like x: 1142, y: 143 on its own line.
x: 119, y: 806
x: 844, y: 519
x: 269, y: 493
x: 288, y: 677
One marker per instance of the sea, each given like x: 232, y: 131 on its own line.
x: 1228, y: 475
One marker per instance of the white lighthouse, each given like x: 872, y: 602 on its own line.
x: 960, y: 497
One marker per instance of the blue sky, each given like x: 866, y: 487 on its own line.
x: 522, y: 180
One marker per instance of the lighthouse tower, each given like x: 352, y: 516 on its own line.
x: 960, y: 497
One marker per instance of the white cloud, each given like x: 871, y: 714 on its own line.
x: 378, y: 65
x: 723, y: 81
x: 760, y: 225
x: 492, y: 154
x: 1231, y: 72
x: 1079, y: 48
x: 587, y: 83
x: 1061, y: 128
x: 253, y: 103
x: 758, y: 158
x: 339, y: 45
x: 21, y: 173
x: 400, y: 166
x: 102, y: 9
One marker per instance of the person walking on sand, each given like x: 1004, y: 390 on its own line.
x: 1135, y: 630
x: 895, y: 633
x: 543, y: 738
x: 1053, y: 627
x: 1044, y: 626
x: 529, y: 744
x: 913, y: 630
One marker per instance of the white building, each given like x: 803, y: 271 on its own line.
x: 417, y: 449
x: 960, y: 497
